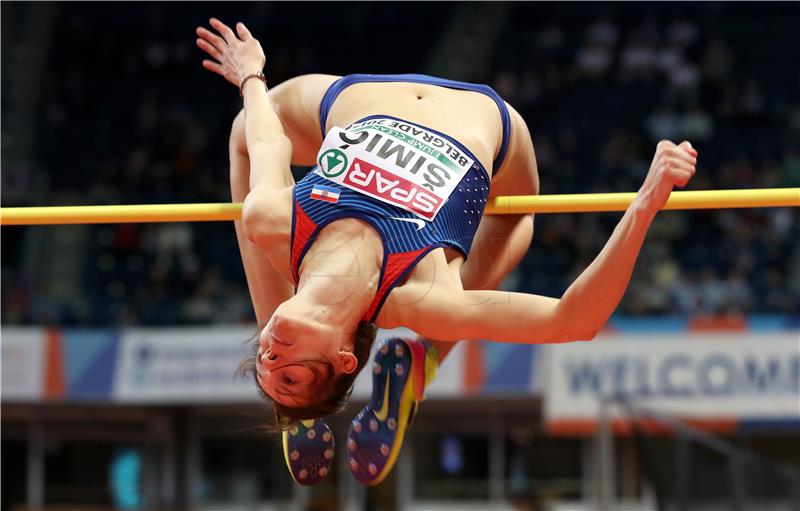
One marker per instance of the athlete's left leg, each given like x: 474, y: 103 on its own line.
x: 268, y: 289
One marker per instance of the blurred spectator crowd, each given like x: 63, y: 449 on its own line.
x: 126, y: 115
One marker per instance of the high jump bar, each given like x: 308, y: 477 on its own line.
x: 503, y: 205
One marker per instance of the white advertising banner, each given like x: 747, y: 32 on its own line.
x: 183, y: 364
x: 22, y: 363
x: 177, y: 365
x: 749, y: 375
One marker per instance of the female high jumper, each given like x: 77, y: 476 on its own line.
x: 388, y: 230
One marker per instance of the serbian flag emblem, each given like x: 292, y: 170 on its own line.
x: 325, y: 193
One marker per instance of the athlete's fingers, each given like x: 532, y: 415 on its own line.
x: 680, y: 177
x: 213, y: 67
x: 681, y: 164
x: 224, y: 30
x: 679, y: 153
x: 683, y: 180
x: 208, y: 48
x: 243, y: 32
x: 211, y: 38
x: 687, y: 146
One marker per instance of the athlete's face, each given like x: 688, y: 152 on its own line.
x: 298, y: 357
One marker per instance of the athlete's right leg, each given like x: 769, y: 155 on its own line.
x: 502, y: 240
x: 308, y: 447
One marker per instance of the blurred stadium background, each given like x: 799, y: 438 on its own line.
x: 119, y: 342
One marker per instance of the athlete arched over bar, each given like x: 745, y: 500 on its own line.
x: 387, y: 230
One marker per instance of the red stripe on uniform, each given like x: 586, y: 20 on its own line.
x: 396, y: 264
x: 304, y: 227
x: 325, y: 198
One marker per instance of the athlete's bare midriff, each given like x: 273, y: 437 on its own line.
x: 469, y: 117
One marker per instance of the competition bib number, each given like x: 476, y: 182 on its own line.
x: 395, y: 162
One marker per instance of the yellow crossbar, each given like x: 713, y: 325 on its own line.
x: 598, y: 202
x: 577, y: 203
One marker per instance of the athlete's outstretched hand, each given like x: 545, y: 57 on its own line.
x: 234, y: 57
x: 673, y: 165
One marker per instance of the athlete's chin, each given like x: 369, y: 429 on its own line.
x: 280, y: 329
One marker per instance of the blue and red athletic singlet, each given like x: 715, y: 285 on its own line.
x: 419, y: 188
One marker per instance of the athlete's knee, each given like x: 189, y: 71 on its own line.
x: 516, y: 244
x: 526, y: 222
x: 516, y: 226
x: 532, y: 183
x: 522, y: 235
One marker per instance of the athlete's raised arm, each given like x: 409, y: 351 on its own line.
x: 588, y: 302
x: 240, y: 60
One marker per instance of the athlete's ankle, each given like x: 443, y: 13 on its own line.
x: 430, y: 349
x: 430, y: 361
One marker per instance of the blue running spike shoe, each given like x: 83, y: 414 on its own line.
x: 400, y: 371
x: 308, y: 450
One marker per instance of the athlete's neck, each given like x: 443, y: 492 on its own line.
x: 341, y: 270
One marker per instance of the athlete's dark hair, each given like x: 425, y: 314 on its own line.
x: 333, y: 395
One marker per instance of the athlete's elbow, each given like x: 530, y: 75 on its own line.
x: 573, y: 323
x: 579, y: 332
x: 255, y: 220
x: 271, y: 141
x: 586, y: 335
